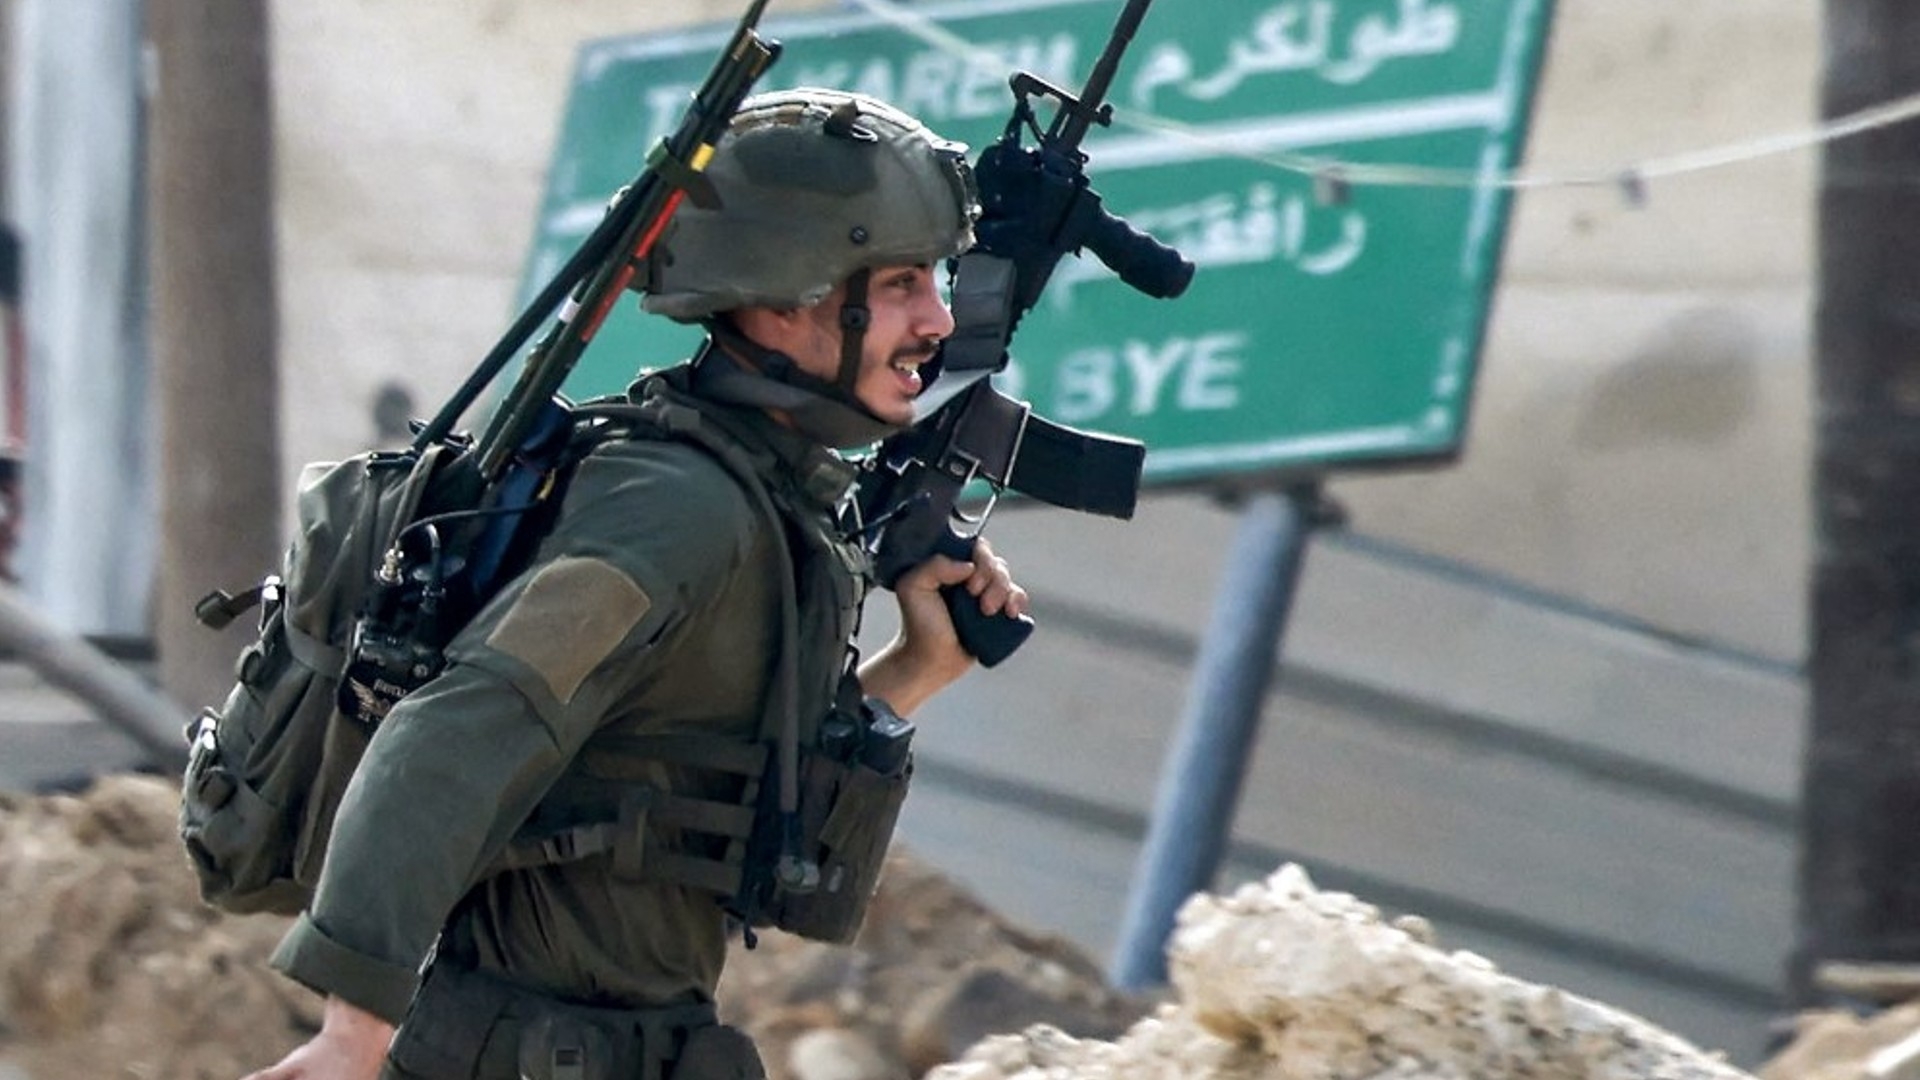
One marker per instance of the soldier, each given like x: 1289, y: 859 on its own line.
x: 653, y: 608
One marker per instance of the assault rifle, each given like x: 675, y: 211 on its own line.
x: 1036, y: 206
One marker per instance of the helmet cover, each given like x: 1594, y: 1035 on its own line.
x: 813, y: 186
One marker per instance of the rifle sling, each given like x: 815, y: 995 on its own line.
x: 990, y: 428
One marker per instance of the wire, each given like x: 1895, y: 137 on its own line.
x: 1630, y: 177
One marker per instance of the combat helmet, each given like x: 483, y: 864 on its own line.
x: 814, y: 187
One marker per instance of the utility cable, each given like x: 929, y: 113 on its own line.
x: 1630, y: 178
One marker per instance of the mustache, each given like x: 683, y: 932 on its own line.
x: 923, y: 350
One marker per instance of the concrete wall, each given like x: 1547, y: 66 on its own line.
x: 1642, y: 428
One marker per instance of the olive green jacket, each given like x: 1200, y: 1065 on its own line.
x: 651, y: 607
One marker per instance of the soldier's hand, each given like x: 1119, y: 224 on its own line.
x: 351, y: 1045
x: 926, y: 623
x: 991, y: 582
x: 927, y: 655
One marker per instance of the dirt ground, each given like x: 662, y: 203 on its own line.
x: 110, y: 967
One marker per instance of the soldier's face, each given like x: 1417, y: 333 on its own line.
x: 910, y: 319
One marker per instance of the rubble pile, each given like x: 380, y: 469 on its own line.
x: 110, y: 967
x: 1281, y: 981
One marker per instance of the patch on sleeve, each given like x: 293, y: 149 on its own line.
x: 571, y: 616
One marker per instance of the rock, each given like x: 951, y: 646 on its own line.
x: 1841, y: 1046
x: 109, y: 963
x: 839, y: 1054
x: 980, y: 1001
x: 111, y: 966
x: 1283, y: 982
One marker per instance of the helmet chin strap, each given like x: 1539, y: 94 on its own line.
x: 855, y: 317
x: 817, y: 408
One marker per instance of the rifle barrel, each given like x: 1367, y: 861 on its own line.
x: 1073, y: 122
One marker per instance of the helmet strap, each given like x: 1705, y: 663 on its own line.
x: 855, y: 317
x: 815, y: 406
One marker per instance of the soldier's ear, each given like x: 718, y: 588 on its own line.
x: 767, y: 327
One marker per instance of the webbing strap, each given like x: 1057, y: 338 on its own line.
x: 564, y: 846
x: 855, y: 317
x: 682, y: 748
x: 683, y: 175
x: 718, y: 876
x: 314, y: 654
x: 627, y: 836
x: 705, y: 815
x: 219, y: 608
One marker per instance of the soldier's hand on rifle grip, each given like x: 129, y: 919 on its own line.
x: 989, y: 629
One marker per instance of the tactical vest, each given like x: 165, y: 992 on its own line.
x: 800, y: 848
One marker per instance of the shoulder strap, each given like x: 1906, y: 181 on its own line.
x: 671, y: 420
x: 781, y: 719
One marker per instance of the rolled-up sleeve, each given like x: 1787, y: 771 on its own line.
x: 378, y: 986
x: 446, y: 779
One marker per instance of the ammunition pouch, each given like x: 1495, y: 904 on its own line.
x: 852, y: 784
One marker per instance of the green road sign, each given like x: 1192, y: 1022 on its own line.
x: 1328, y: 324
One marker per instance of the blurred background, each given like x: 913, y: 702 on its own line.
x: 1554, y: 695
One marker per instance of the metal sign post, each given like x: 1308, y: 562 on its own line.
x: 1200, y: 781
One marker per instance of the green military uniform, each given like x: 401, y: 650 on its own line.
x: 653, y: 606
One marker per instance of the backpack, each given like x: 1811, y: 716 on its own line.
x: 355, y: 619
x: 267, y: 768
